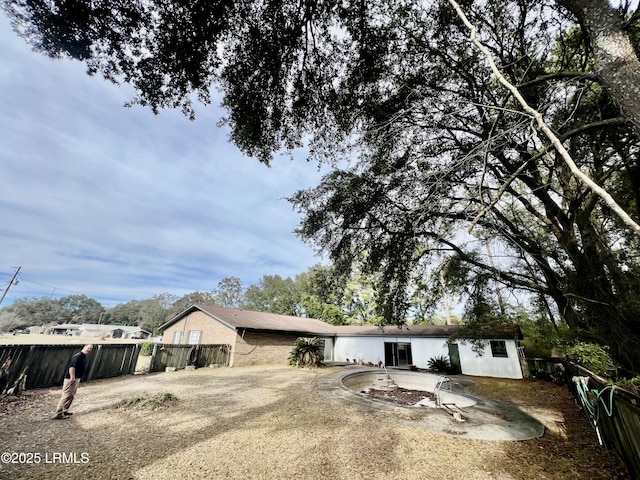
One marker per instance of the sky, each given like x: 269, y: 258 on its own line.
x: 120, y: 204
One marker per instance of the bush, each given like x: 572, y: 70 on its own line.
x: 632, y: 384
x: 307, y: 352
x: 439, y: 364
x: 593, y: 357
x: 147, y: 349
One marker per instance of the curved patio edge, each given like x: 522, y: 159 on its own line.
x: 487, y: 419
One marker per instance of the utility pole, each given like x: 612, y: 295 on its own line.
x: 12, y: 282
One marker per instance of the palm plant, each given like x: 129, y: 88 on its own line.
x: 307, y: 352
x: 439, y: 364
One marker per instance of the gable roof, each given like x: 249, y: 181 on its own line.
x: 239, y: 319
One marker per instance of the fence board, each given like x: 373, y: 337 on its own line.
x: 177, y: 356
x: 44, y: 364
x: 616, y: 416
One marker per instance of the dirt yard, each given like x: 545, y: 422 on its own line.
x: 271, y: 423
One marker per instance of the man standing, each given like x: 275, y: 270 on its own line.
x: 74, y: 371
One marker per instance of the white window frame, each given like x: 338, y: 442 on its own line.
x: 195, y: 337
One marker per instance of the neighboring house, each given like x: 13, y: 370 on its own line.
x: 100, y: 331
x: 266, y: 338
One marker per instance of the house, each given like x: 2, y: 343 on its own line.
x: 266, y: 338
x: 100, y: 331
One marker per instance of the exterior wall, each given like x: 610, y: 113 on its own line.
x: 367, y: 349
x: 259, y: 348
x: 213, y: 332
x: 371, y: 349
x: 489, y: 366
x: 328, y: 349
x: 423, y: 349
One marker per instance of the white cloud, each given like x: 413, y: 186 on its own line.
x: 121, y: 204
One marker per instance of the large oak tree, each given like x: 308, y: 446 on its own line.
x: 436, y: 144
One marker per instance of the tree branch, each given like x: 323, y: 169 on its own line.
x: 542, y: 125
x: 558, y: 75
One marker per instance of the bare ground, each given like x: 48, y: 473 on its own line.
x: 270, y: 423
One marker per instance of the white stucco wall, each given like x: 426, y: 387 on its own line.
x: 422, y: 349
x: 371, y: 349
x: 489, y: 366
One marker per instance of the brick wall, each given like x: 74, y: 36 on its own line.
x: 247, y: 348
x: 213, y: 332
x: 263, y: 349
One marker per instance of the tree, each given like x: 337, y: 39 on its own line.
x: 125, y: 313
x: 81, y: 309
x: 229, y: 292
x: 10, y: 321
x: 186, y: 301
x: 440, y: 145
x: 274, y: 294
x: 47, y: 311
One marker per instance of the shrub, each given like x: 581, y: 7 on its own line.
x: 439, y: 364
x: 592, y: 357
x: 632, y: 384
x: 147, y: 349
x: 307, y: 352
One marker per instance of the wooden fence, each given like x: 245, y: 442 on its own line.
x: 179, y: 356
x: 613, y: 412
x: 44, y: 365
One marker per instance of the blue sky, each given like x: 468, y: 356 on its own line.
x: 119, y: 204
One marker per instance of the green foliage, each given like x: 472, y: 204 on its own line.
x: 229, y: 292
x: 189, y: 299
x: 540, y: 334
x: 47, y: 311
x: 307, y: 352
x: 593, y: 357
x: 159, y: 400
x: 274, y: 294
x: 632, y: 384
x: 439, y: 364
x: 146, y: 349
x: 435, y: 145
x: 125, y: 313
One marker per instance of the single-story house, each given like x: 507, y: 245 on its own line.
x: 100, y: 331
x: 266, y: 338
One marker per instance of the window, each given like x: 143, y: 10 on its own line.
x: 177, y: 337
x: 499, y: 348
x: 195, y: 336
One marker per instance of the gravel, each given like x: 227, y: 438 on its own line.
x: 271, y: 423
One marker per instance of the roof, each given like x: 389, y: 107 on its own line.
x: 239, y: 319
x: 501, y: 331
x: 394, y: 330
x: 99, y: 327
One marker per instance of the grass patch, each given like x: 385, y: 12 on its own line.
x: 154, y: 402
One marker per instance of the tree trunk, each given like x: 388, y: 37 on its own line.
x: 616, y: 61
